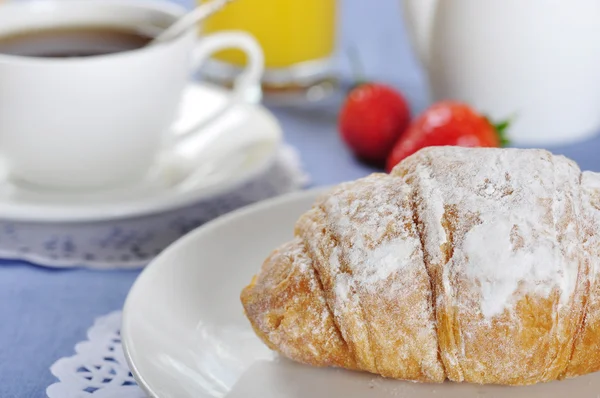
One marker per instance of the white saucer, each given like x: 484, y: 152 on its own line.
x: 165, y: 188
x: 127, y: 227
x: 185, y: 334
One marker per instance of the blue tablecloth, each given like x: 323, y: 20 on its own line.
x: 44, y: 313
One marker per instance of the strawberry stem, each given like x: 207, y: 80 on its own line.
x: 501, y: 129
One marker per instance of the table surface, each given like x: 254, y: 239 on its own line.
x: 44, y: 313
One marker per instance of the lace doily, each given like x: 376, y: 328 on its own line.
x: 131, y: 243
x: 98, y: 369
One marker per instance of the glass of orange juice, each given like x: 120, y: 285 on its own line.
x: 297, y: 37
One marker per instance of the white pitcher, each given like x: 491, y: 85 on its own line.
x: 535, y: 60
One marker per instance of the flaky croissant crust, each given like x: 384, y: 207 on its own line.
x: 476, y: 265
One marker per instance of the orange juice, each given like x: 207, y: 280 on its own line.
x: 290, y: 31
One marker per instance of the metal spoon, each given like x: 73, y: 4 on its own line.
x: 189, y: 20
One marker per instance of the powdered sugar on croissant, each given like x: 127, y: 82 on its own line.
x: 474, y: 265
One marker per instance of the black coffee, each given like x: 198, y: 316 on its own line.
x: 72, y: 42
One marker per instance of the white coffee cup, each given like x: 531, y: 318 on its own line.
x: 101, y: 121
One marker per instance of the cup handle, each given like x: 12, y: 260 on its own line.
x: 246, y: 91
x: 246, y: 87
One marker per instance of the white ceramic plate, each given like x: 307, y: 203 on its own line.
x: 185, y: 334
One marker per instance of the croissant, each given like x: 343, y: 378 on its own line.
x: 472, y: 265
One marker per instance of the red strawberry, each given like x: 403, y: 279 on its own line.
x: 447, y: 123
x: 372, y: 119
